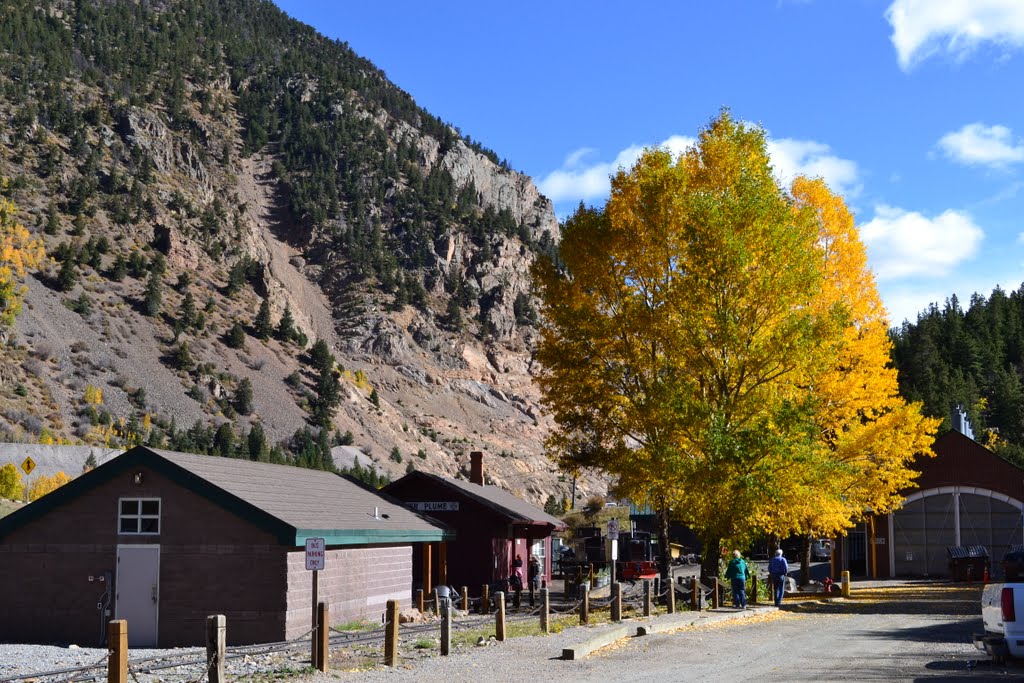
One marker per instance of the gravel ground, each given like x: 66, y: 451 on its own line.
x: 889, y: 631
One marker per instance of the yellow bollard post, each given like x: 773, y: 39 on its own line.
x: 846, y: 584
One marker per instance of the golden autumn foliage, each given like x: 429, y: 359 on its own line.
x: 19, y: 251
x: 715, y: 342
x: 867, y: 434
x: 42, y: 485
x: 10, y: 482
x: 93, y: 395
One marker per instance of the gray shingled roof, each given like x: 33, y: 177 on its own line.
x: 314, y: 502
x: 518, y: 510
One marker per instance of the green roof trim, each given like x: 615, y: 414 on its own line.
x: 372, y: 536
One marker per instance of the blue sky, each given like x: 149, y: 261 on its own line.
x: 912, y: 109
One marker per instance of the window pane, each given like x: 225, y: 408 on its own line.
x: 129, y: 507
x: 150, y: 525
x: 129, y: 525
x: 151, y: 507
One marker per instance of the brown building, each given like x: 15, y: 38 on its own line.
x: 165, y: 539
x: 966, y: 496
x: 491, y: 526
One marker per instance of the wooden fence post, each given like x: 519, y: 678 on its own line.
x: 753, y: 589
x: 420, y: 600
x: 670, y: 605
x: 117, y: 641
x: 499, y: 616
x: 616, y: 601
x: 695, y: 594
x: 657, y: 590
x: 216, y: 636
x: 446, y: 629
x: 716, y: 599
x: 485, y: 601
x: 545, y: 611
x: 647, y: 597
x: 584, y: 603
x: 465, y: 599
x: 391, y: 634
x: 323, y: 637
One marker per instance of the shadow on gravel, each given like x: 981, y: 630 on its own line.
x: 957, y: 608
x: 939, y: 599
x: 972, y: 670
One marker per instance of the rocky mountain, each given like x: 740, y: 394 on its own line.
x: 225, y: 196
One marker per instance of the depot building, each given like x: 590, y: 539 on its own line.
x: 966, y: 498
x: 165, y: 539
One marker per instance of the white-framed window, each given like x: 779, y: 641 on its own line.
x: 138, y: 516
x: 537, y: 550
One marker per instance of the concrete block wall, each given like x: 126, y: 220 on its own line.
x: 356, y: 582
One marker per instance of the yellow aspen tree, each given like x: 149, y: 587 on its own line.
x: 43, y: 485
x: 19, y: 251
x: 677, y: 329
x: 867, y: 434
x: 10, y: 482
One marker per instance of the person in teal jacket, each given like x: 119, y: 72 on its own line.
x: 737, y: 572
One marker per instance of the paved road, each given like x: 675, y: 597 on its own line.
x: 889, y: 631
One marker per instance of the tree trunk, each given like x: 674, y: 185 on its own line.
x: 710, y: 557
x: 665, y: 557
x: 805, y: 560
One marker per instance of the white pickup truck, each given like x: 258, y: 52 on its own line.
x: 1002, y: 611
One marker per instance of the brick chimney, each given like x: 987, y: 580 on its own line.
x: 476, y: 467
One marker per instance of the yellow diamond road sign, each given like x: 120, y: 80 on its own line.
x: 28, y: 465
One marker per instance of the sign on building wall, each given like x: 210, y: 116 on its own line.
x: 444, y: 506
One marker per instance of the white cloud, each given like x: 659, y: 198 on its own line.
x: 907, y: 244
x: 978, y: 144
x: 921, y: 28
x: 814, y: 159
x: 576, y: 181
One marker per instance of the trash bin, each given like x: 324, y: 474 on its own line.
x: 1013, y: 563
x: 968, y: 562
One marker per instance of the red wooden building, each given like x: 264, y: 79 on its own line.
x: 165, y: 539
x: 965, y: 496
x: 491, y: 528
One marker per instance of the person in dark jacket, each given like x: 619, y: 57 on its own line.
x: 778, y: 570
x: 737, y: 573
x: 533, y: 573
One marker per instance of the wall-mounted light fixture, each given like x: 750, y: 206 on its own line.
x: 137, y: 478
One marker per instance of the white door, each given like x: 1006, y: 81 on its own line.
x: 138, y: 592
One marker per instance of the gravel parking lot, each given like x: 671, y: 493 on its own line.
x: 887, y: 631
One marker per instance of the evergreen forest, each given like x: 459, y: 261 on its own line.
x: 973, y: 358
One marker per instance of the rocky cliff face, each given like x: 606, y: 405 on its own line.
x: 377, y: 229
